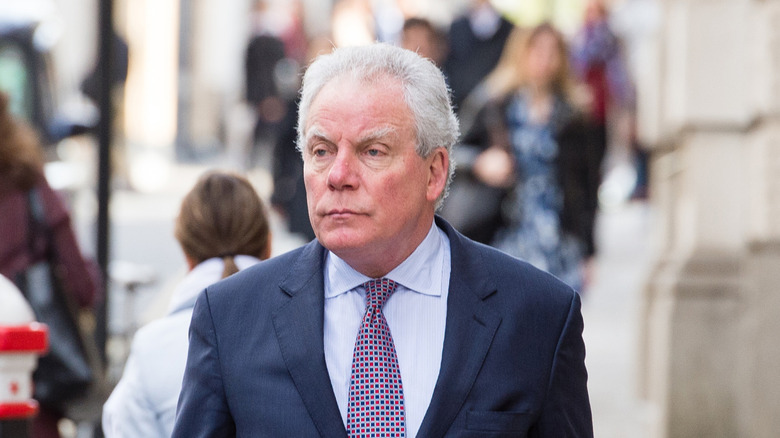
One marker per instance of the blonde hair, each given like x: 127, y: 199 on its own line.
x: 222, y: 216
x: 510, y: 73
x: 21, y: 158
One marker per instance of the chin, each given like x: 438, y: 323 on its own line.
x: 340, y: 240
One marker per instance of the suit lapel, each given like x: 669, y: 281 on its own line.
x: 471, y: 326
x: 299, y: 329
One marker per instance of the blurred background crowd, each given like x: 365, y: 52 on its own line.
x: 560, y: 112
x: 190, y: 79
x: 544, y: 91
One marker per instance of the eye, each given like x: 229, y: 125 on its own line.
x: 319, y: 150
x: 376, y: 150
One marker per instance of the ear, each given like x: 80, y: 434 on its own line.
x: 438, y: 170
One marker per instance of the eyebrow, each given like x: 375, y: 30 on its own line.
x: 315, y: 132
x: 377, y: 134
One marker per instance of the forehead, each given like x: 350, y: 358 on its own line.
x: 380, y: 87
x: 347, y: 103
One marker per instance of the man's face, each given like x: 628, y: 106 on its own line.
x: 371, y: 197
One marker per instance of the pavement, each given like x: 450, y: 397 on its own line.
x: 611, y: 311
x: 142, y: 236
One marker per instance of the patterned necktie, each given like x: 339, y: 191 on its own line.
x: 376, y: 396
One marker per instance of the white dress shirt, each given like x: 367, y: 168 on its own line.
x: 416, y: 314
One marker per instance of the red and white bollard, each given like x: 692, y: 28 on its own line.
x: 22, y: 340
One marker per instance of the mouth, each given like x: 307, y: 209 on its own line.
x: 341, y: 213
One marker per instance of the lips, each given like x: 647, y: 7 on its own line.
x: 341, y: 213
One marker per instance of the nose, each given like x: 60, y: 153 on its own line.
x: 343, y: 172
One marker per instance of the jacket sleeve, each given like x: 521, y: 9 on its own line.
x: 489, y: 119
x: 203, y: 410
x: 487, y: 129
x: 566, y: 410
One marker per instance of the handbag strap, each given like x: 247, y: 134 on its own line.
x: 37, y: 224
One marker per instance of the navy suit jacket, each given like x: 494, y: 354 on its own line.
x: 512, y: 360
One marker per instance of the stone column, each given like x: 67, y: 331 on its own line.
x: 760, y: 351
x: 709, y: 329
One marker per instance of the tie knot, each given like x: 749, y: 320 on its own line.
x: 377, y: 291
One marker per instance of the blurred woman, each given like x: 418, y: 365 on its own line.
x: 533, y: 143
x: 222, y: 227
x: 27, y: 240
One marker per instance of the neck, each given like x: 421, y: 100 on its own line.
x: 540, y: 104
x: 539, y: 91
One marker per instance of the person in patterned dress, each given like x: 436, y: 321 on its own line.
x: 533, y: 142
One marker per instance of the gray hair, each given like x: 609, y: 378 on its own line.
x: 425, y: 92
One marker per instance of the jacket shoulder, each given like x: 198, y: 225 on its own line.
x: 517, y: 280
x: 266, y: 277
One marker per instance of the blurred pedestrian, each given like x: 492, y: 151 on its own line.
x: 222, y: 228
x: 598, y: 62
x: 293, y: 32
x: 90, y: 86
x: 421, y: 36
x: 35, y: 226
x: 533, y: 143
x: 264, y: 52
x: 475, y: 41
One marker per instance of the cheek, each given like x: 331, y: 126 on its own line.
x: 406, y: 189
x: 553, y: 65
x: 312, y: 186
x: 310, y: 177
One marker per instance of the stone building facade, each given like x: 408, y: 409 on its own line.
x: 709, y: 343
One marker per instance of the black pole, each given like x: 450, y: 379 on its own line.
x: 105, y: 53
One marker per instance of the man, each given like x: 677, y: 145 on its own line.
x: 470, y: 342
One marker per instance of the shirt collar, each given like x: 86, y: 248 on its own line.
x: 420, y: 272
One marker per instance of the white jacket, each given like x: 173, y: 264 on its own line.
x: 143, y: 404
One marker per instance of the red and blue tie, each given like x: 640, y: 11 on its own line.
x: 376, y: 396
